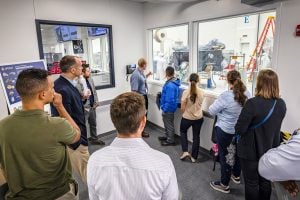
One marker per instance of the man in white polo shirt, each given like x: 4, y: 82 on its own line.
x: 281, y: 164
x: 129, y: 168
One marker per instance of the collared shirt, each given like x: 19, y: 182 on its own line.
x: 130, y: 169
x: 74, y: 82
x: 228, y: 110
x: 91, y: 99
x: 282, y: 163
x: 138, y: 82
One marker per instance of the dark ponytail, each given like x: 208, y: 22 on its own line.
x: 194, y: 79
x: 234, y: 78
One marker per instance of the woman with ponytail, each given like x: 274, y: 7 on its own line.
x: 191, y: 106
x: 228, y: 107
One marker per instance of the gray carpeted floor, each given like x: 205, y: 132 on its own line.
x: 193, y: 178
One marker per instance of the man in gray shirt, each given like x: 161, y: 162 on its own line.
x: 90, y: 103
x: 138, y: 83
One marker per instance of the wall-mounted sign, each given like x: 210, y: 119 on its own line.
x: 8, y: 76
x: 246, y: 19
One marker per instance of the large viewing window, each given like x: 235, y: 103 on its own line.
x: 244, y: 43
x: 170, y: 48
x: 91, y: 42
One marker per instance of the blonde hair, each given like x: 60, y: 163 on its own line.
x: 267, y: 85
x: 142, y: 62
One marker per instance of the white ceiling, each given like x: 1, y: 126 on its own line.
x: 164, y: 1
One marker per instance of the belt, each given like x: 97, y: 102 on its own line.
x: 74, y: 182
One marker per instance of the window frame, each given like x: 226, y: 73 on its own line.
x: 150, y: 45
x: 39, y: 22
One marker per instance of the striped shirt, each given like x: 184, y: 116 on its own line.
x: 130, y: 169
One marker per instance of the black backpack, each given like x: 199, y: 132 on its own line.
x: 158, y: 96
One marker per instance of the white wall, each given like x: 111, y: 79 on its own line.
x: 17, y: 36
x: 286, y: 47
x: 19, y: 41
x: 126, y: 19
x: 157, y: 15
x: 288, y: 66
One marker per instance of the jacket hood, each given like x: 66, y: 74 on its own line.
x: 175, y: 81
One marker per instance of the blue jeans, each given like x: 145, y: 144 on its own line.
x: 224, y: 140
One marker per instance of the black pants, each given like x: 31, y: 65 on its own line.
x: 185, y: 124
x: 224, y: 140
x: 256, y: 187
x: 146, y: 104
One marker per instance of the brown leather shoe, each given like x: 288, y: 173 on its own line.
x: 144, y: 134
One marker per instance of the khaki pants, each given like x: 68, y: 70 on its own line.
x: 2, y: 178
x: 79, y: 159
x: 71, y: 195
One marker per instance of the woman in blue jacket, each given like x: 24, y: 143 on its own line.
x: 228, y: 107
x: 168, y: 105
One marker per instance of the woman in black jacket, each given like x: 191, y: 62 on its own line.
x: 259, y: 128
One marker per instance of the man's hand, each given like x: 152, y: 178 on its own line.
x: 149, y: 74
x: 57, y: 100
x: 291, y: 187
x: 87, y: 95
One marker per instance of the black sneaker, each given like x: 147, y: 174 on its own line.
x: 235, y: 179
x: 162, y: 138
x: 217, y: 185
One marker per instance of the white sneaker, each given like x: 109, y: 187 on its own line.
x: 193, y: 159
x: 236, y: 180
x: 185, y: 155
x: 217, y: 185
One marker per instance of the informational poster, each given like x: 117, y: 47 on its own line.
x: 77, y: 46
x: 8, y: 76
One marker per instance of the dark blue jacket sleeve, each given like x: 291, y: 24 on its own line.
x: 66, y: 100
